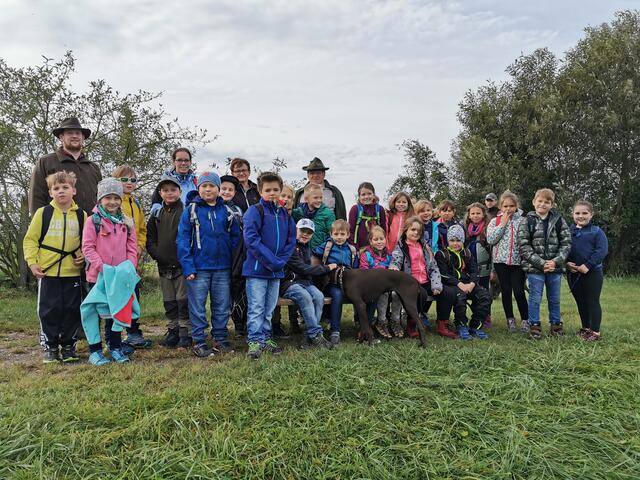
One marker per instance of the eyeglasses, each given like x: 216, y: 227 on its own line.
x: 182, y: 160
x: 128, y: 179
x: 241, y: 170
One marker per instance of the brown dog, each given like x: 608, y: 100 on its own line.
x: 366, y: 286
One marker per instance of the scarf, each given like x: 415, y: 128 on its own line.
x: 115, y: 219
x: 473, y: 233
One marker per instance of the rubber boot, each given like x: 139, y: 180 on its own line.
x: 412, y: 329
x: 443, y: 331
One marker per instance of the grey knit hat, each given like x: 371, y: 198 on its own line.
x: 109, y: 186
x: 455, y: 232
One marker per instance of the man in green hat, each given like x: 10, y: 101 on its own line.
x: 331, y: 196
x: 68, y: 157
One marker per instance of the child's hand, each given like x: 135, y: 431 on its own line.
x: 332, y: 266
x: 549, y: 266
x: 493, y: 277
x: 573, y: 268
x: 191, y: 277
x: 436, y: 292
x: 583, y: 269
x: 37, y: 271
x: 78, y: 261
x: 463, y: 287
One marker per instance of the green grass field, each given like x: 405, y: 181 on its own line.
x: 507, y: 408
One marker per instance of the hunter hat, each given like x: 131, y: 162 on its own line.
x: 306, y: 223
x: 71, y: 123
x: 315, y: 165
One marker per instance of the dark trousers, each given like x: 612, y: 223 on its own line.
x: 59, y: 301
x: 444, y: 301
x: 586, y: 290
x: 239, y: 311
x: 512, y: 280
x: 135, y: 324
x: 480, y: 305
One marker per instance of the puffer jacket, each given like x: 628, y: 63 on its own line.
x: 401, y: 260
x: 540, y: 248
x: 504, y: 239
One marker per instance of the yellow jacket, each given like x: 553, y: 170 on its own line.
x: 131, y: 208
x: 63, y: 234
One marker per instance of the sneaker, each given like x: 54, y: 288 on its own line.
x: 50, y: 355
x: 592, y: 336
x: 185, y: 342
x: 556, y: 330
x: 224, y: 346
x: 511, y: 325
x: 320, y: 342
x: 255, y: 350
x: 525, y: 326
x: 98, y: 359
x: 136, y: 340
x: 172, y: 338
x: 478, y: 334
x: 535, y: 332
x: 278, y: 331
x: 203, y: 351
x: 127, y: 349
x: 463, y: 333
x: 119, y: 356
x: 584, y: 332
x: 272, y: 347
x: 69, y: 354
x: 334, y: 338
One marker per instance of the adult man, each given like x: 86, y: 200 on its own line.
x: 247, y: 194
x: 182, y: 173
x: 490, y: 202
x: 331, y: 196
x: 68, y: 157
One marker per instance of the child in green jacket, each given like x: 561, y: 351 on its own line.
x: 321, y: 215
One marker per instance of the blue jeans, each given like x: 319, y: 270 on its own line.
x: 537, y: 282
x: 217, y: 284
x: 262, y: 298
x: 337, y: 296
x: 310, y: 300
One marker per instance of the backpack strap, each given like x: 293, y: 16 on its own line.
x: 97, y: 222
x: 193, y: 219
x: 47, y: 215
x: 358, y: 220
x: 354, y: 254
x: 327, y: 251
x: 370, y: 258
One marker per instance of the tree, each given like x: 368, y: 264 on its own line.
x: 423, y: 175
x: 127, y: 128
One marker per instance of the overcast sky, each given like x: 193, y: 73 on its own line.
x: 346, y: 81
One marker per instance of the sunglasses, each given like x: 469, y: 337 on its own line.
x: 128, y: 179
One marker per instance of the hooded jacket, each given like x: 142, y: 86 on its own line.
x: 457, y: 267
x: 219, y: 235
x: 504, y: 238
x: 322, y: 219
x: 162, y: 232
x: 187, y: 183
x: 299, y: 268
x: 112, y: 245
x: 401, y: 260
x: 539, y: 248
x: 340, y: 209
x: 63, y: 234
x: 269, y: 239
x: 132, y: 208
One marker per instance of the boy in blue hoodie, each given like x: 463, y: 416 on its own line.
x: 207, y: 235
x: 339, y: 251
x: 270, y: 237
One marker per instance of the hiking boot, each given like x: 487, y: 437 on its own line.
x: 278, y: 331
x: 98, y: 359
x: 591, y: 336
x: 463, y: 333
x: 556, y: 330
x: 136, y: 340
x: 172, y: 338
x: 255, y: 350
x: 119, y: 357
x: 487, y: 323
x: 272, y: 347
x: 443, y: 329
x: 126, y: 348
x: 535, y: 332
x: 382, y: 330
x: 334, y: 338
x: 583, y: 333
x: 203, y: 351
x: 50, y: 355
x: 69, y: 354
x: 320, y: 342
x: 478, y: 334
x: 511, y: 325
x: 185, y: 342
x: 525, y: 326
x: 224, y: 346
x: 396, y: 329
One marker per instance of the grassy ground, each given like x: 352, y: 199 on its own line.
x: 507, y: 408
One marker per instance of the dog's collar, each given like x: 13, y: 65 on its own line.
x: 340, y: 276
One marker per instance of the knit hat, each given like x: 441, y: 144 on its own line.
x: 491, y: 196
x: 230, y: 179
x: 455, y: 232
x: 306, y: 223
x: 109, y: 186
x: 209, y: 177
x: 168, y: 179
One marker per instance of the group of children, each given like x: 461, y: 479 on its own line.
x: 205, y: 246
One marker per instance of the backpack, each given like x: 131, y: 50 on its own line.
x: 47, y: 215
x: 366, y: 218
x: 193, y: 219
x: 97, y: 224
x: 327, y: 251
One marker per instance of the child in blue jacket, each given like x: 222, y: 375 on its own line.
x: 270, y: 237
x: 207, y: 235
x: 589, y: 247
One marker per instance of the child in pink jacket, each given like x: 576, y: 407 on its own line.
x: 108, y: 237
